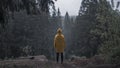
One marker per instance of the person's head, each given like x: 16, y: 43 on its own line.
x: 59, y: 31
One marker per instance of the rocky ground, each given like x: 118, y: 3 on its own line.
x: 42, y: 62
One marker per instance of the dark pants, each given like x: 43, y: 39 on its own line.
x: 57, y: 57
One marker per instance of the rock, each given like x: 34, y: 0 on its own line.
x: 81, y: 61
x: 41, y: 58
x: 97, y: 59
x: 31, y: 58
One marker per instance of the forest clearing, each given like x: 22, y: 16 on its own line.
x: 86, y: 33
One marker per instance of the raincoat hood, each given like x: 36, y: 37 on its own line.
x: 59, y: 31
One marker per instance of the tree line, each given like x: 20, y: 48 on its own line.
x: 94, y: 31
x: 26, y: 28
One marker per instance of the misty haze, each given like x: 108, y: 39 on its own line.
x: 59, y: 34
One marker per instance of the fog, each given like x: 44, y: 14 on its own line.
x: 71, y: 6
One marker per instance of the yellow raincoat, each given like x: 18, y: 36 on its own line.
x: 59, y: 42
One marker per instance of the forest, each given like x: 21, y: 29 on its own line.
x: 27, y: 28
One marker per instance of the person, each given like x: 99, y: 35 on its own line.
x: 59, y: 44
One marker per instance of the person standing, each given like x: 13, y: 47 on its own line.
x: 59, y: 44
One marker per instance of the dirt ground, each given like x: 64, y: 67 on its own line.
x: 42, y: 62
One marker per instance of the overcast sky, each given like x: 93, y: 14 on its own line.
x: 71, y: 6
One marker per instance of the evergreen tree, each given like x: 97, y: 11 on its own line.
x: 109, y: 23
x: 7, y: 6
x: 20, y: 34
x: 84, y: 23
x: 97, y: 27
x: 59, y: 18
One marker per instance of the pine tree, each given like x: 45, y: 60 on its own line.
x: 59, y: 18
